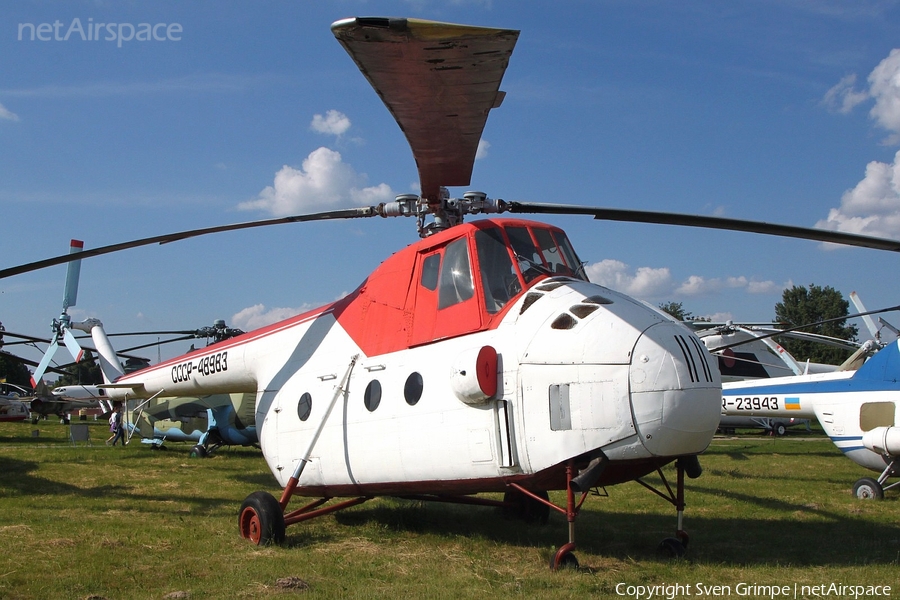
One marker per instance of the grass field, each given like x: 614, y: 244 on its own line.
x: 99, y: 522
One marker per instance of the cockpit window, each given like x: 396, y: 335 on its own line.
x: 456, y: 283
x: 557, y: 252
x: 551, y: 252
x: 530, y: 262
x: 499, y: 280
x: 568, y: 253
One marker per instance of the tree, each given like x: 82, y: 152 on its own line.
x: 86, y: 372
x: 802, y: 306
x: 676, y: 309
x: 13, y: 371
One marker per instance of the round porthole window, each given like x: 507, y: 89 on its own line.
x: 412, y: 391
x: 372, y: 397
x: 304, y: 406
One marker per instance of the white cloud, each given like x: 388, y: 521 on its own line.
x: 842, y: 97
x: 333, y: 123
x: 647, y: 283
x: 5, y: 113
x: 482, y: 150
x: 643, y: 283
x: 884, y: 86
x: 256, y: 316
x: 324, y: 181
x: 764, y: 287
x: 873, y: 206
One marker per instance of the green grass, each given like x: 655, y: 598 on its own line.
x: 101, y: 522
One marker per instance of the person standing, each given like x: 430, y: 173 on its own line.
x: 115, y: 426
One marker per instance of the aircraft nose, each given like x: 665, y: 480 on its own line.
x: 675, y: 391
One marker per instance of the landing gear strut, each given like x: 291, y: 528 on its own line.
x: 873, y: 489
x: 675, y: 547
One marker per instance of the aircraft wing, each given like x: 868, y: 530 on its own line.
x: 439, y: 80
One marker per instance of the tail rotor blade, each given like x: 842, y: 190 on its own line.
x: 72, y: 275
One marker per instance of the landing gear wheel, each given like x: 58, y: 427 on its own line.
x: 261, y: 519
x: 525, y: 508
x: 683, y: 537
x: 564, y: 558
x: 671, y: 548
x: 198, y: 451
x: 780, y: 429
x: 868, y: 489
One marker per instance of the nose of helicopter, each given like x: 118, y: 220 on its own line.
x: 675, y: 391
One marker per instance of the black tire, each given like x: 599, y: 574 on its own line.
x: 780, y: 429
x: 868, y: 489
x: 671, y: 548
x: 261, y: 519
x: 525, y: 508
x: 198, y: 451
x: 567, y: 560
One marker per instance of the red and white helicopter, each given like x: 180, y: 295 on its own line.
x: 479, y: 359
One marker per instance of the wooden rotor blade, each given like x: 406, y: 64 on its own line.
x: 665, y: 218
x: 438, y: 80
x: 347, y: 213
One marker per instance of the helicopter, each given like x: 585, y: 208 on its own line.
x: 478, y: 359
x: 853, y: 402
x: 209, y: 421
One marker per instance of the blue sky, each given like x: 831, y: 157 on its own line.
x: 777, y: 111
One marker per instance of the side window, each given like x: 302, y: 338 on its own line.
x: 456, y: 283
x: 499, y: 280
x: 430, y: 269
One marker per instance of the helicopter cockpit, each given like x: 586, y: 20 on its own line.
x: 461, y: 281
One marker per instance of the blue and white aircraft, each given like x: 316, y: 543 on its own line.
x: 859, y: 410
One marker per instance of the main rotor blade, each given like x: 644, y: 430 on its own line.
x: 666, y: 218
x: 798, y: 327
x: 72, y: 274
x: 347, y: 213
x: 438, y: 80
x: 45, y: 362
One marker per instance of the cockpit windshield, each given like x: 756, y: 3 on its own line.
x: 553, y: 254
x: 537, y: 251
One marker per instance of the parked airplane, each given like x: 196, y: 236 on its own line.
x: 479, y: 359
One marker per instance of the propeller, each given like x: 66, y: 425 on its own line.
x: 61, y: 326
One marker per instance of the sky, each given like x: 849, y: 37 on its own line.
x: 786, y: 112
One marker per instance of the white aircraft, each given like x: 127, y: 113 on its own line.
x: 478, y: 359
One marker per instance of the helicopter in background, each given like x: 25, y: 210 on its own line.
x: 855, y: 402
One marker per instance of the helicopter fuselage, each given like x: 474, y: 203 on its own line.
x: 483, y: 357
